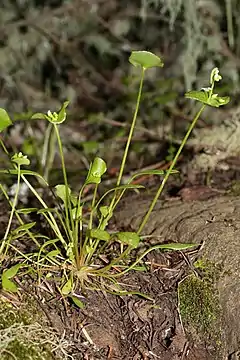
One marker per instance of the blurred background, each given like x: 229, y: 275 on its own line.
x: 53, y: 50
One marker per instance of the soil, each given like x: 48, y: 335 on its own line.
x: 132, y: 327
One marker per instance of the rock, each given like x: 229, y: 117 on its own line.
x: 215, y: 223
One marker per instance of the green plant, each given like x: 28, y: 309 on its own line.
x: 83, y: 248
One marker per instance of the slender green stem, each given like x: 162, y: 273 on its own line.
x: 160, y: 189
x: 131, y: 129
x: 53, y: 222
x: 92, y: 207
x: 68, y: 206
x: 105, y: 221
x: 13, y: 209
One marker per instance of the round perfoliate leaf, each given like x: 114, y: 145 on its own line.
x: 5, y: 120
x: 205, y: 97
x: 20, y: 159
x: 145, y: 59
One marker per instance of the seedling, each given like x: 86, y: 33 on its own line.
x: 83, y: 250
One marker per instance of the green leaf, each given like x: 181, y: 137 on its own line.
x: 129, y: 238
x: 154, y: 172
x: 145, y: 59
x: 62, y: 113
x: 5, y: 120
x: 23, y: 227
x: 20, y: 159
x: 67, y: 288
x: 104, y: 210
x: 9, y: 285
x: 176, y: 246
x: 10, y: 273
x: 77, y: 301
x: 26, y: 211
x: 203, y: 96
x: 217, y: 101
x: 46, y: 210
x: 99, y: 234
x: 61, y: 192
x: 97, y: 169
x: 53, y: 253
x: 38, y: 116
x: 77, y: 212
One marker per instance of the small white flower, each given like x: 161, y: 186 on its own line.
x: 215, y: 76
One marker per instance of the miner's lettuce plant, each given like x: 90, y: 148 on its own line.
x: 82, y: 247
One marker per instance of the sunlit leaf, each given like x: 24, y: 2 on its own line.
x: 9, y: 285
x: 145, y: 59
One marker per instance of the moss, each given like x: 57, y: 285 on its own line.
x: 22, y: 337
x: 199, y: 303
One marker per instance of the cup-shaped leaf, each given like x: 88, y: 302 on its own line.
x: 62, y: 113
x: 99, y: 234
x: 129, y: 238
x: 20, y: 159
x: 97, y: 168
x: 145, y: 59
x: 5, y: 120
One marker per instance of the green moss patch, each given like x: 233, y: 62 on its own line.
x: 199, y: 303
